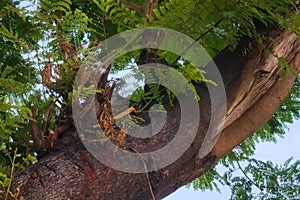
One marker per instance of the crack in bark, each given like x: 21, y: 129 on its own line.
x: 265, y: 73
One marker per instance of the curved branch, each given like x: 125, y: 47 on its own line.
x: 252, y: 182
x: 257, y: 105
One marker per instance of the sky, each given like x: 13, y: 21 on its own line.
x: 277, y: 153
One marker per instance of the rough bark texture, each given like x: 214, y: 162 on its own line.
x: 254, y: 93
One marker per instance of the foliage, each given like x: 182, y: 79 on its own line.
x: 268, y: 181
x: 209, y: 181
x: 238, y: 19
x: 119, y: 14
x: 7, y: 173
x: 41, y: 50
x: 17, y: 78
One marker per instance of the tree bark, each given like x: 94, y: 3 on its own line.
x: 254, y: 91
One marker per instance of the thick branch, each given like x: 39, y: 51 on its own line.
x: 255, y: 106
x: 70, y: 172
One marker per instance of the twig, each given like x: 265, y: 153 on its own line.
x: 47, y: 116
x: 196, y: 40
x: 36, y: 132
x: 124, y: 113
x: 120, y: 115
x: 12, y: 171
x: 16, y: 143
x: 132, y: 6
x: 147, y: 175
x: 248, y: 176
x: 148, y: 7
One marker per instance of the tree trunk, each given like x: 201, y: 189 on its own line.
x: 254, y: 93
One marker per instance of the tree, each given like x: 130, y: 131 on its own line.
x: 43, y: 52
